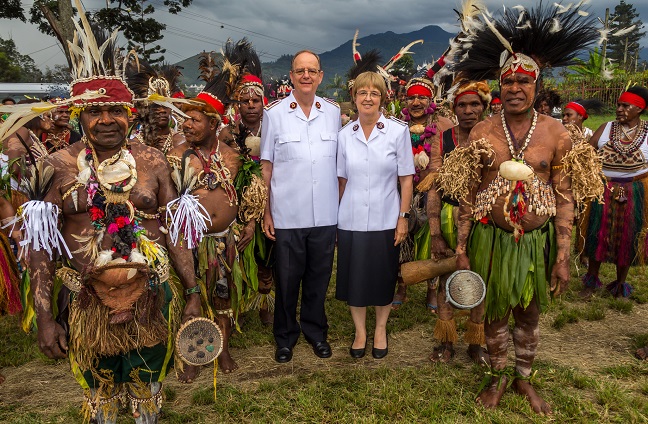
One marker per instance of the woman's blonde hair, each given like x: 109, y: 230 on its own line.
x: 370, y: 80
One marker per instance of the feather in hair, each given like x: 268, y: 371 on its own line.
x: 354, y: 47
x: 403, y: 51
x: 20, y: 114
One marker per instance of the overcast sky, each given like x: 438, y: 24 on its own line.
x: 279, y: 27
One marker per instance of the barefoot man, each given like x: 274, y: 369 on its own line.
x: 107, y: 304
x: 515, y: 224
x: 471, y: 98
x: 217, y: 167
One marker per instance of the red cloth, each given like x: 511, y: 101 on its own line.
x: 633, y: 99
x: 578, y: 108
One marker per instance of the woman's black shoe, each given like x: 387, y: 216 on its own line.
x: 357, y: 353
x: 380, y: 353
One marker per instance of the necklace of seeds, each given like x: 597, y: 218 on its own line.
x: 519, y: 155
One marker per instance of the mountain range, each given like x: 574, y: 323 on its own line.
x: 339, y: 60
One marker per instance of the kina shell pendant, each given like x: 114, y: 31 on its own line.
x: 120, y: 170
x: 514, y: 170
x: 253, y: 143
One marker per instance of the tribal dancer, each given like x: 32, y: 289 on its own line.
x: 61, y: 133
x: 516, y: 219
x: 105, y: 302
x: 152, y: 87
x: 470, y: 100
x: 248, y: 100
x: 617, y: 225
x: 425, y: 128
x: 205, y: 216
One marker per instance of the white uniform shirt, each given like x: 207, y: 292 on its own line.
x: 304, y: 186
x: 371, y: 167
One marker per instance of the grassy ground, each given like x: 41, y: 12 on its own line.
x: 585, y: 370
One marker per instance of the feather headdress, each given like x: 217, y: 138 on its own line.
x: 281, y: 87
x: 369, y: 62
x: 94, y: 60
x: 248, y: 76
x: 523, y: 40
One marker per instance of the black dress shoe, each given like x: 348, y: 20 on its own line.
x: 322, y: 349
x: 283, y: 355
x: 380, y: 353
x: 357, y: 353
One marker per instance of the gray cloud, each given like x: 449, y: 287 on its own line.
x: 280, y: 26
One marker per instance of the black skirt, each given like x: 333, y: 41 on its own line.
x: 367, y: 267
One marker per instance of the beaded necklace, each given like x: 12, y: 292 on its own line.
x: 635, y: 143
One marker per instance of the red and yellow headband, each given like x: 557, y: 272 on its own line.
x: 633, y: 99
x: 578, y: 108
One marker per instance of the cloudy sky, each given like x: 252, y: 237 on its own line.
x: 279, y: 26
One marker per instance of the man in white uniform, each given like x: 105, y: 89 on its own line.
x: 298, y: 154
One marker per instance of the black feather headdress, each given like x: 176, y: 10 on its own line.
x: 549, y: 35
x: 369, y: 62
x: 245, y: 66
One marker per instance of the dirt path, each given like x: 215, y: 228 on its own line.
x: 586, y: 346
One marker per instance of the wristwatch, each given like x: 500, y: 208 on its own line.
x: 404, y: 215
x: 194, y: 289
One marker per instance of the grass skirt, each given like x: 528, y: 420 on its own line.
x: 514, y: 273
x: 615, y: 229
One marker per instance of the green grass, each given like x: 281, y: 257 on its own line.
x: 389, y: 392
x: 595, y: 121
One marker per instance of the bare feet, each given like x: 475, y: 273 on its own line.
x: 400, y: 297
x: 641, y: 353
x: 442, y: 353
x: 226, y: 363
x: 266, y: 317
x: 525, y: 388
x: 490, y: 397
x: 479, y: 355
x: 586, y: 293
x: 188, y: 374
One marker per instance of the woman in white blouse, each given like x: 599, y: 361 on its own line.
x: 374, y: 157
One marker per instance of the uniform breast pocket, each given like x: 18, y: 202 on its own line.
x: 288, y: 147
x: 329, y: 141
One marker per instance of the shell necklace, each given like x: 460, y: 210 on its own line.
x: 510, y: 139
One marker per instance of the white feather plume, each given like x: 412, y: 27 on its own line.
x: 624, y: 31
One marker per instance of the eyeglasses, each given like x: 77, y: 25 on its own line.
x: 421, y: 99
x: 301, y: 71
x: 371, y: 94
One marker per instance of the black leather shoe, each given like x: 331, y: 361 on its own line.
x: 357, y: 353
x: 380, y: 353
x: 322, y: 349
x: 283, y: 355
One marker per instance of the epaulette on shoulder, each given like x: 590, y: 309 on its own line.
x: 272, y: 104
x: 346, y: 125
x: 398, y: 121
x: 333, y: 102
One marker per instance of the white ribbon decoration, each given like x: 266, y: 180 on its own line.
x: 40, y: 228
x: 189, y: 219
